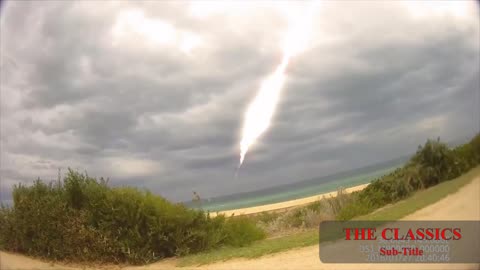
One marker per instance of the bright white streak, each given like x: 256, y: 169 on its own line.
x: 260, y: 111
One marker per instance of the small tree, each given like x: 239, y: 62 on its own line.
x: 196, y: 199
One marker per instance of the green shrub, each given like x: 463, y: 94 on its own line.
x: 354, y: 209
x: 266, y: 217
x: 241, y: 231
x: 433, y: 163
x: 7, y: 226
x: 308, y: 216
x: 83, y: 219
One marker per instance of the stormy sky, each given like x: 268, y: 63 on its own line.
x: 152, y: 94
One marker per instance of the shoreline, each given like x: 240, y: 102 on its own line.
x: 284, y: 205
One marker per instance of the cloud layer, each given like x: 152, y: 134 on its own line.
x: 153, y: 93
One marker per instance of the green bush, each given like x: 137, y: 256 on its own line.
x: 307, y: 216
x: 6, y: 225
x: 433, y: 163
x: 354, y: 209
x: 266, y: 217
x: 240, y: 231
x: 85, y: 219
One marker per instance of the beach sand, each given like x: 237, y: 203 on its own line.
x: 285, y: 204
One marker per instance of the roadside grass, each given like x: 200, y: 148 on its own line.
x: 419, y: 200
x: 257, y: 249
x: 422, y: 198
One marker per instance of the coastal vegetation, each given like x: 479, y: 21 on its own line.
x: 309, y: 236
x: 84, y: 219
x: 433, y: 163
x: 434, y: 172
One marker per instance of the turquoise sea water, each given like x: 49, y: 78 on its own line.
x: 296, y: 192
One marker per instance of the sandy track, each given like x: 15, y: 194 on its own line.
x: 462, y: 205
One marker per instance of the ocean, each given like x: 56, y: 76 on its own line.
x: 302, y: 189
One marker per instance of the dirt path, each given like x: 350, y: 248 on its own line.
x: 462, y: 205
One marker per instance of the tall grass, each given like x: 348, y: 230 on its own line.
x: 433, y: 163
x: 304, y: 217
x: 83, y: 219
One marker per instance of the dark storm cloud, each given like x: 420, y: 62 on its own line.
x: 375, y: 83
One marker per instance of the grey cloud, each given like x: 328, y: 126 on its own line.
x: 361, y: 97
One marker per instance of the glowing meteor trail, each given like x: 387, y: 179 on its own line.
x: 260, y: 111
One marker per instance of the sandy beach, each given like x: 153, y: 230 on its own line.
x: 285, y: 204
